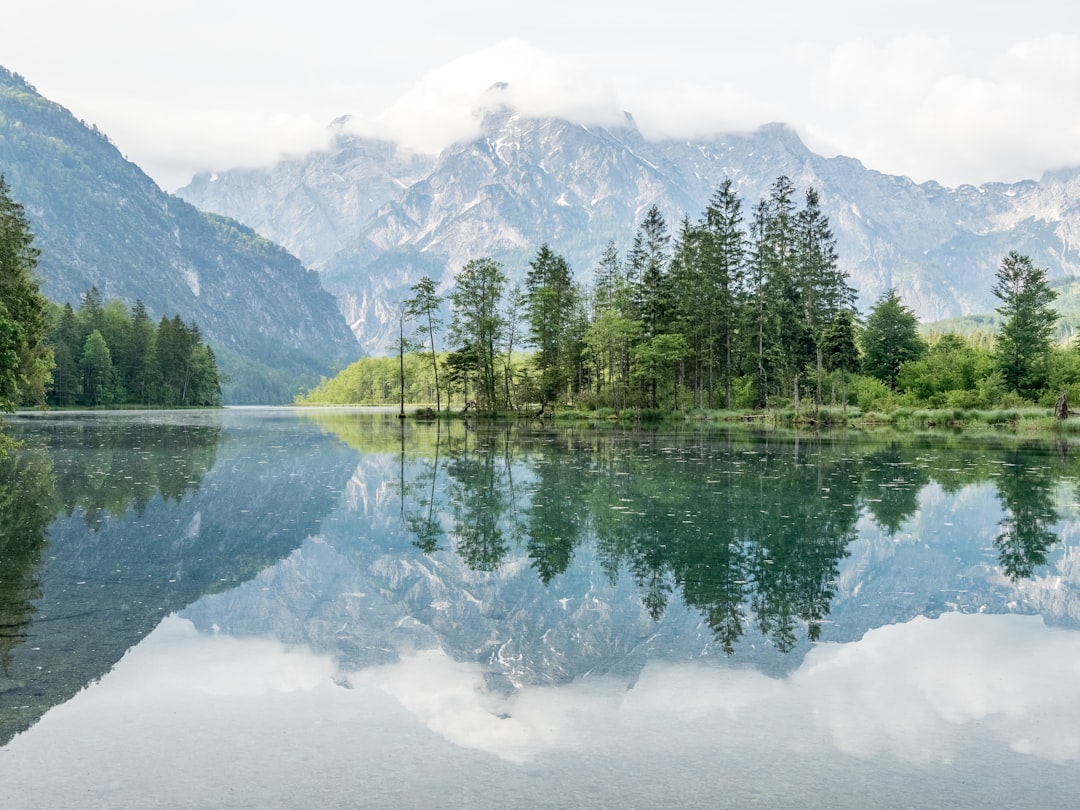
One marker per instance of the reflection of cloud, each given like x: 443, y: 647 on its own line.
x: 451, y: 700
x: 177, y: 660
x: 911, y: 689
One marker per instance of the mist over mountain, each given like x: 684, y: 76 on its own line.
x: 100, y: 221
x: 373, y: 218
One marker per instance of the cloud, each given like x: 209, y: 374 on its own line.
x: 177, y: 143
x: 908, y: 107
x: 446, y: 105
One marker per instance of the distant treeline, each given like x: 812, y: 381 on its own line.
x: 724, y: 313
x: 106, y: 355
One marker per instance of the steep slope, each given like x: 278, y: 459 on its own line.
x: 526, y: 181
x: 100, y: 221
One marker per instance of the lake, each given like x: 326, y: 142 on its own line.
x: 282, y: 608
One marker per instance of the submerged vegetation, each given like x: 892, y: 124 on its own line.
x: 720, y: 322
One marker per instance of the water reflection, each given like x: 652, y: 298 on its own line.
x: 924, y: 708
x: 26, y: 501
x: 612, y: 612
x: 109, y: 523
x: 748, y: 528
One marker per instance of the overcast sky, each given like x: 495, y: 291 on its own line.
x: 931, y: 89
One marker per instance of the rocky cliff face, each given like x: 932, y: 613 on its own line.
x: 99, y: 221
x: 525, y: 181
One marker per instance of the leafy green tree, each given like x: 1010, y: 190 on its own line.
x: 890, y: 339
x: 26, y: 360
x: 1024, y: 342
x: 424, y: 308
x: 477, y: 321
x: 97, y: 370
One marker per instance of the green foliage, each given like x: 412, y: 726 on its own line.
x: 550, y: 299
x: 890, y: 339
x: 479, y: 323
x: 374, y: 381
x: 25, y: 359
x: 108, y: 356
x: 1024, y: 342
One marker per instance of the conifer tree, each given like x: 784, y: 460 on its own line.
x: 1024, y: 342
x: 550, y: 299
x: 890, y: 339
x: 26, y: 360
x: 724, y: 257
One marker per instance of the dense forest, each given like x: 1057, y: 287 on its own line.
x: 100, y: 355
x: 106, y: 355
x: 728, y: 312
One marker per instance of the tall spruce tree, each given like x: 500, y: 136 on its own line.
x: 821, y: 286
x: 26, y: 361
x: 550, y: 299
x: 648, y: 269
x: 1025, y: 339
x: 723, y: 255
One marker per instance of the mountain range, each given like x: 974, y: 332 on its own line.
x: 373, y: 218
x: 99, y: 221
x: 364, y: 219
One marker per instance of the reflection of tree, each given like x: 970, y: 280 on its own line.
x: 1026, y: 493
x: 558, y: 514
x: 121, y: 465
x: 892, y: 483
x: 26, y: 510
x: 480, y: 498
x: 427, y: 527
x: 748, y: 529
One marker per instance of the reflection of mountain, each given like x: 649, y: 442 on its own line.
x: 152, y: 512
x: 556, y: 554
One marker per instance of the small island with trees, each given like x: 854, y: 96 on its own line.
x: 720, y: 318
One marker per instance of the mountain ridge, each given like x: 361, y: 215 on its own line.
x: 526, y: 181
x: 100, y: 221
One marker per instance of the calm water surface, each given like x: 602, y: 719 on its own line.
x: 276, y: 608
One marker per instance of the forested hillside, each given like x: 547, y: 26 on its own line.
x: 100, y: 222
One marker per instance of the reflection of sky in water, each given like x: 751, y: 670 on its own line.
x: 989, y: 696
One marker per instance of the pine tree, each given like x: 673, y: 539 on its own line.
x: 648, y: 265
x: 821, y: 286
x: 724, y: 271
x: 26, y: 360
x: 890, y: 339
x: 550, y: 299
x: 1024, y: 342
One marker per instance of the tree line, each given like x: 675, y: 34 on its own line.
x: 101, y: 354
x: 105, y: 354
x: 729, y: 311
